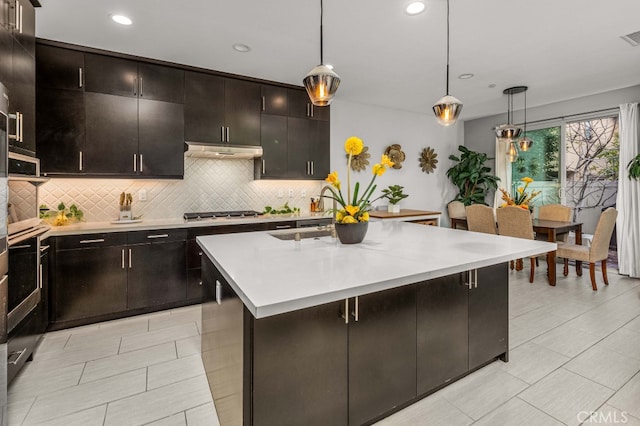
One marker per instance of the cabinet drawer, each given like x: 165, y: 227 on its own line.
x: 226, y: 229
x: 91, y: 240
x: 157, y: 236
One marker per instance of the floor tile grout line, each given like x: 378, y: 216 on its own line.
x: 29, y: 410
x: 72, y: 413
x: 542, y: 411
x: 81, y: 373
x: 104, y: 418
x: 614, y: 394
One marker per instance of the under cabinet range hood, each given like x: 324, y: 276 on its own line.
x: 235, y: 152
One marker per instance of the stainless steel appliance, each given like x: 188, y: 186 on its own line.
x: 4, y: 267
x: 231, y: 214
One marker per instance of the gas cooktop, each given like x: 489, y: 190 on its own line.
x: 189, y: 217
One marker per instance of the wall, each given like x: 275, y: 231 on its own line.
x: 380, y: 127
x: 208, y: 185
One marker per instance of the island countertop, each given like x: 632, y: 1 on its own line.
x: 273, y: 276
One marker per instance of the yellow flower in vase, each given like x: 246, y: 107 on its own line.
x: 522, y: 199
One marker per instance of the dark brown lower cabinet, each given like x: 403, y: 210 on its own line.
x: 158, y: 274
x: 442, y: 331
x: 382, y: 352
x: 311, y: 367
x: 89, y: 282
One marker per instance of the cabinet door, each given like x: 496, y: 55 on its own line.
x: 158, y: 274
x: 89, y: 282
x: 242, y: 111
x: 273, y: 139
x: 59, y: 68
x: 22, y: 99
x: 299, y: 103
x: 6, y: 50
x: 382, y: 353
x: 274, y: 100
x: 161, y: 138
x: 298, y: 138
x: 111, y: 133
x: 112, y: 76
x: 320, y: 113
x: 319, y: 149
x: 161, y: 83
x: 203, y: 107
x: 60, y: 130
x: 442, y: 331
x: 308, y: 346
x: 26, y: 36
x: 489, y: 315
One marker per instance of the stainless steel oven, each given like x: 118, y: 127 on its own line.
x: 24, y: 282
x: 4, y: 278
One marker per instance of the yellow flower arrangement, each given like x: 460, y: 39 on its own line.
x: 354, y: 209
x: 522, y: 199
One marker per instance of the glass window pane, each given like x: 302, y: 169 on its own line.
x: 542, y: 164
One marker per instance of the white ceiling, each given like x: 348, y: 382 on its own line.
x: 561, y: 49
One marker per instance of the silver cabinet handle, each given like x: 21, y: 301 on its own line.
x: 17, y: 25
x: 222, y: 133
x: 141, y: 87
x: 228, y: 138
x: 14, y: 117
x: 80, y: 77
x: 158, y: 236
x: 218, y: 292
x: 475, y: 277
x: 40, y: 275
x: 20, y: 247
x: 472, y: 279
x: 312, y: 167
x: 264, y: 167
x: 311, y: 110
x: 20, y: 19
x: 122, y: 258
x: 80, y: 161
x: 355, y: 312
x: 345, y: 313
x: 283, y: 226
x: 21, y: 119
x: 264, y: 104
x: 135, y: 162
x: 97, y: 240
x: 19, y: 353
x: 44, y: 248
x: 135, y: 86
x: 308, y: 111
x: 141, y: 170
x: 129, y: 258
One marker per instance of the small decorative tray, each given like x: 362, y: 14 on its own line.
x: 121, y: 222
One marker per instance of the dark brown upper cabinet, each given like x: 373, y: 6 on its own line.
x: 59, y: 68
x: 274, y: 100
x: 20, y: 19
x: 221, y: 110
x: 301, y: 107
x: 124, y: 77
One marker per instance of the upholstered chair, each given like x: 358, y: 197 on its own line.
x: 480, y: 218
x: 558, y: 213
x: 456, y: 209
x: 597, y: 252
x: 516, y: 222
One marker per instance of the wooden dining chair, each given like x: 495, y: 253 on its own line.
x: 558, y: 213
x: 597, y: 252
x: 480, y: 218
x: 516, y: 222
x: 455, y: 209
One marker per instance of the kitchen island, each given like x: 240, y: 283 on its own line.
x: 316, y: 332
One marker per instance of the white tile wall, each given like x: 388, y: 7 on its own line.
x: 208, y: 185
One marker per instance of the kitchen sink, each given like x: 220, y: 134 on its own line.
x: 312, y: 233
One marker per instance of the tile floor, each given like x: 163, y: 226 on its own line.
x: 573, y: 352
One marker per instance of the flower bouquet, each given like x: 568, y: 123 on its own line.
x: 354, y: 210
x: 522, y: 199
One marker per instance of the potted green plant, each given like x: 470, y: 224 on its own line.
x: 634, y: 168
x: 394, y: 194
x: 471, y: 176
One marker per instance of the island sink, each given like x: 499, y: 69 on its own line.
x: 291, y: 235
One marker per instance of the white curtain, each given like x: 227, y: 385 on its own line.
x: 628, y: 198
x: 502, y: 170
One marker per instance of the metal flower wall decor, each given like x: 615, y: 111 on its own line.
x: 428, y: 160
x: 361, y: 161
x: 395, y: 154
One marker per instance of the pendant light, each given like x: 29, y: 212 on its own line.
x: 512, y: 151
x: 321, y: 82
x: 508, y: 131
x: 525, y: 142
x: 448, y: 108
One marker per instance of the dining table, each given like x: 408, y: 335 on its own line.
x: 550, y: 228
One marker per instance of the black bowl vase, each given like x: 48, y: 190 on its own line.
x: 351, y: 233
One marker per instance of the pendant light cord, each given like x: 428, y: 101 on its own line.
x: 525, y: 114
x: 321, y: 16
x: 447, y: 47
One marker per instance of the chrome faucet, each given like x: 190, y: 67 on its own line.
x: 321, y: 203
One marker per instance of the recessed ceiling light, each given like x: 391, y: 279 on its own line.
x: 121, y: 19
x: 415, y: 8
x: 465, y: 76
x: 492, y: 85
x: 239, y: 47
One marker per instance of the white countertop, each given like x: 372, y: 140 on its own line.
x: 272, y: 276
x: 98, y: 227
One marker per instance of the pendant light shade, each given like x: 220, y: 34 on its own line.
x: 512, y: 152
x: 508, y: 131
x: 525, y: 142
x: 448, y: 108
x: 321, y: 82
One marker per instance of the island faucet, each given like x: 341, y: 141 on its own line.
x: 321, y: 203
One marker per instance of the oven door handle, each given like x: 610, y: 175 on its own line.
x: 23, y: 246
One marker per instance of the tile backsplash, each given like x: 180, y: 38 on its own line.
x: 208, y: 185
